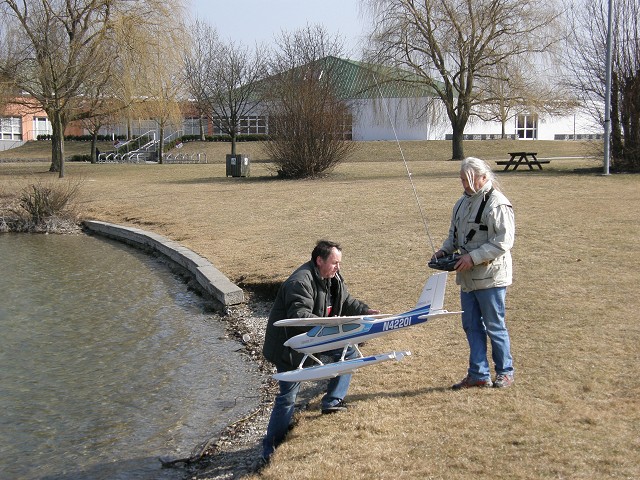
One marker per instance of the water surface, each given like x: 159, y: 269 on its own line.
x: 107, y: 362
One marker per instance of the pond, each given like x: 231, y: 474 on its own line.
x: 108, y: 362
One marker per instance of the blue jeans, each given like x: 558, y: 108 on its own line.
x: 285, y: 402
x: 484, y: 317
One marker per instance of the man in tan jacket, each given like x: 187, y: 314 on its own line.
x: 482, y: 230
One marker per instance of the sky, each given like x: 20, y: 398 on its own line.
x: 250, y: 21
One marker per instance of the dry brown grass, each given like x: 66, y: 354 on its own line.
x: 572, y: 311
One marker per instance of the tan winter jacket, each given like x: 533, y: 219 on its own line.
x: 488, y: 241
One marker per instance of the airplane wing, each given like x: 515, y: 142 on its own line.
x: 317, y: 321
x: 332, y: 370
x: 438, y: 313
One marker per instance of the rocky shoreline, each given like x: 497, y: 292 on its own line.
x: 237, y: 450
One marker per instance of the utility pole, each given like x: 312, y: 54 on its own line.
x: 607, y: 94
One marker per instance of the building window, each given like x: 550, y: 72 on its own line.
x: 527, y: 126
x: 248, y: 125
x: 259, y: 125
x: 11, y: 128
x: 41, y: 126
x: 346, y: 127
x: 191, y: 126
x: 253, y: 125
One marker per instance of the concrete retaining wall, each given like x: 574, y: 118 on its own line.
x: 208, y: 278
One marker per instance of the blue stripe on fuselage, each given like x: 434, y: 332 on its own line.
x: 401, y: 321
x: 394, y: 323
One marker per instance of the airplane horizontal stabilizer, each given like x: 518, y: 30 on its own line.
x: 438, y: 313
x: 321, y: 321
x: 332, y: 370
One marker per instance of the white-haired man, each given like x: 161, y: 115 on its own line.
x: 482, y: 230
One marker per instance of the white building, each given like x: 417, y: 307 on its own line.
x: 382, y: 112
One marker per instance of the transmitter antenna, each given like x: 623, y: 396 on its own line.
x: 406, y: 166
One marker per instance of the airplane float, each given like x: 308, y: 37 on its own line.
x: 332, y: 333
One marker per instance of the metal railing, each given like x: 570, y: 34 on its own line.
x: 143, y: 153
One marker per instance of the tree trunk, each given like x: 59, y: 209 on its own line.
x: 616, y: 131
x: 233, y: 142
x: 94, y: 148
x: 57, y: 144
x: 161, y: 143
x: 632, y: 140
x: 457, y: 144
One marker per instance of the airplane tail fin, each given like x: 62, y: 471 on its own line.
x: 433, y: 292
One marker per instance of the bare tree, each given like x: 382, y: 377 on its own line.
x: 61, y: 49
x: 587, y: 63
x: 6, y: 85
x: 307, y: 116
x: 160, y: 74
x: 451, y: 45
x: 54, y: 46
x: 223, y: 78
x: 93, y: 125
x: 512, y: 90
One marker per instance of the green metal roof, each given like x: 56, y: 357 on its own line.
x: 355, y: 80
x: 360, y: 80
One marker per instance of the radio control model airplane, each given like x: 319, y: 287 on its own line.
x: 331, y: 333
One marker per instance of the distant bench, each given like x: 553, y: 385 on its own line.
x: 522, y: 158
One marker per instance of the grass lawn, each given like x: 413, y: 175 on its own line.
x: 572, y: 311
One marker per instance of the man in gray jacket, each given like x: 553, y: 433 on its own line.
x: 315, y: 289
x: 482, y: 230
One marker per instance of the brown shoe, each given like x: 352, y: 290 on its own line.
x: 504, y: 380
x: 468, y: 382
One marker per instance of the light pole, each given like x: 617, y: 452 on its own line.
x: 607, y: 94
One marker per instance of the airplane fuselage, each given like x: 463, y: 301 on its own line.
x: 332, y: 337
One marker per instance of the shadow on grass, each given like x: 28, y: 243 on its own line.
x: 551, y: 172
x: 265, y: 290
x: 308, y: 399
x: 399, y: 394
x: 225, y: 180
x: 375, y: 176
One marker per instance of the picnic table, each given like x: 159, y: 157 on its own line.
x: 522, y: 158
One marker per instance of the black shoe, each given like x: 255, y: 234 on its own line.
x: 262, y: 463
x: 341, y: 406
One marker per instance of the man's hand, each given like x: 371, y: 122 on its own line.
x: 372, y: 311
x: 438, y: 254
x: 465, y: 263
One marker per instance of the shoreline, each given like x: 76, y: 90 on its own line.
x: 236, y: 451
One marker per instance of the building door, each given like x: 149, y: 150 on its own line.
x: 41, y: 126
x: 527, y: 126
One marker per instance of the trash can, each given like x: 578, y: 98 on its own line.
x: 238, y: 165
